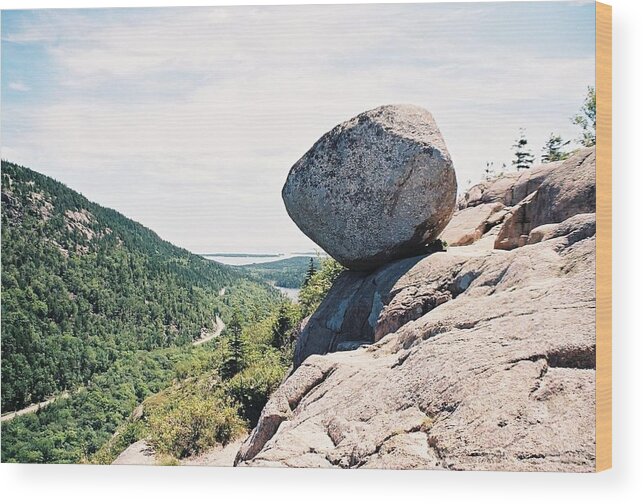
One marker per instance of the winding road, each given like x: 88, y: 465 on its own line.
x: 219, y: 326
x: 32, y: 408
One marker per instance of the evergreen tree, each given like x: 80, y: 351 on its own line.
x: 235, y: 360
x: 553, y: 149
x: 586, y: 119
x: 312, y: 294
x: 523, y: 156
x: 311, y: 271
x: 281, y: 330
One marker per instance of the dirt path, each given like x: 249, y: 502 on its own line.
x: 32, y: 408
x: 218, y: 327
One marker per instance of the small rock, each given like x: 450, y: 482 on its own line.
x: 138, y: 453
x: 347, y: 346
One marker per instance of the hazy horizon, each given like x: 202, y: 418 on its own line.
x: 188, y: 119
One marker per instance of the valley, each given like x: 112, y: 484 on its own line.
x: 97, y: 304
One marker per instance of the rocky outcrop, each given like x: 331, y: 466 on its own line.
x: 509, y: 189
x: 470, y: 223
x: 349, y: 311
x: 480, y: 358
x: 374, y: 189
x: 522, y: 201
x: 566, y: 191
x: 138, y: 453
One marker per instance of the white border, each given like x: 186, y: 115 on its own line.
x: 95, y: 485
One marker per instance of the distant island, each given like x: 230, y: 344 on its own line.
x: 239, y: 254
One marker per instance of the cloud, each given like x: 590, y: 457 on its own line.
x: 189, y: 119
x: 18, y: 86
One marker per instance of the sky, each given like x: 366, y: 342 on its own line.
x: 189, y: 119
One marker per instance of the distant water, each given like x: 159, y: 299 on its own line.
x: 292, y: 294
x: 243, y: 259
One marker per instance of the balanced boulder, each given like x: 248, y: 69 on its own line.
x: 376, y: 188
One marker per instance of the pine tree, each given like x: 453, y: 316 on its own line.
x: 523, y: 156
x: 586, y: 119
x: 311, y: 271
x: 235, y: 360
x: 282, y: 328
x: 553, y: 149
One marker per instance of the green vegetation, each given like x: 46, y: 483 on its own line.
x: 523, y: 158
x: 98, y: 305
x: 554, y: 149
x: 312, y: 268
x: 208, y: 403
x: 316, y: 288
x: 189, y: 425
x: 71, y: 429
x: 215, y: 401
x: 290, y: 273
x: 234, y: 360
x: 81, y: 284
x: 586, y: 119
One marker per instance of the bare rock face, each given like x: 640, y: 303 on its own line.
x: 480, y: 359
x: 138, y: 453
x: 376, y: 188
x: 566, y: 191
x: 512, y: 205
x: 349, y: 311
x: 469, y: 224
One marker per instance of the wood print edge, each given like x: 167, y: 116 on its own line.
x: 603, y: 236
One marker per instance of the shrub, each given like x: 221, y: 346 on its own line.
x: 312, y: 294
x: 192, y: 425
x: 252, y: 387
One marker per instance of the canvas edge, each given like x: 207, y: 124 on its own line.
x: 603, y: 236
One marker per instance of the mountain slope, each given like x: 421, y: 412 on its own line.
x: 81, y: 284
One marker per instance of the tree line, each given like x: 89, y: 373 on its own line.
x: 555, y: 148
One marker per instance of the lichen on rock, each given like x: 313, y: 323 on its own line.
x: 376, y: 188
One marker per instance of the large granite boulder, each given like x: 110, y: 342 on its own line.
x: 376, y: 188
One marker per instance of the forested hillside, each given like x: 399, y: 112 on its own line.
x: 83, y: 287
